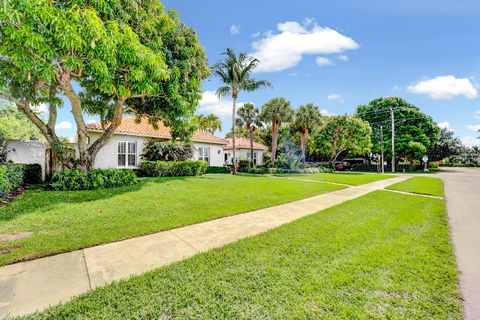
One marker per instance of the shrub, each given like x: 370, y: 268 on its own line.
x: 173, y: 169
x: 254, y: 170
x: 305, y: 170
x: 365, y: 167
x: 433, y: 165
x: 167, y: 151
x: 218, y: 170
x: 11, y: 178
x: 74, y: 179
x: 243, y: 163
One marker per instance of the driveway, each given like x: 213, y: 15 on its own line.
x: 462, y: 190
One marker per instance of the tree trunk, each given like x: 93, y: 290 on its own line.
x: 234, y: 158
x: 250, y: 131
x: 274, y: 141
x: 64, y: 80
x: 303, y: 145
x: 108, y: 133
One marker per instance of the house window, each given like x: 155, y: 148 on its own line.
x: 204, y: 154
x: 254, y: 157
x: 127, y: 154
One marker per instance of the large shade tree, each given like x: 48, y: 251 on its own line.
x: 415, y: 131
x: 235, y: 71
x: 248, y: 117
x: 275, y: 112
x: 306, y: 119
x: 448, y: 145
x: 342, y: 134
x: 107, y: 58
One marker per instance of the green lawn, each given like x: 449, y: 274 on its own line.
x: 381, y: 256
x: 65, y: 221
x: 354, y: 179
x: 422, y: 185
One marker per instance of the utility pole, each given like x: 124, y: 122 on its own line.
x: 381, y: 158
x: 393, y: 138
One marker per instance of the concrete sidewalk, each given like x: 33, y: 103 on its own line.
x: 34, y: 285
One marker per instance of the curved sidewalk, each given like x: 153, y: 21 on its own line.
x: 34, y: 285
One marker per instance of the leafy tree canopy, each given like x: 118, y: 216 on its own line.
x: 15, y: 125
x: 342, y: 134
x: 448, y: 145
x: 412, y: 127
x: 126, y: 56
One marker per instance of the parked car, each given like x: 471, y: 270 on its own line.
x: 342, y: 165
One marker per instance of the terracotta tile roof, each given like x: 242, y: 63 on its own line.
x: 243, y: 143
x: 130, y: 127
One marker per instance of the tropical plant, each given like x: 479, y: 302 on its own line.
x: 126, y: 56
x: 276, y: 111
x: 249, y: 118
x: 236, y: 74
x: 306, y: 119
x: 448, y: 145
x: 167, y: 151
x: 343, y: 134
x: 209, y: 123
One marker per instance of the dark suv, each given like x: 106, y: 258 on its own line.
x: 342, y: 165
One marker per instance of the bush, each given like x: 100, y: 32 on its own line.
x: 173, y: 169
x: 254, y: 170
x: 304, y: 171
x: 11, y: 178
x: 74, y: 179
x: 218, y: 170
x: 167, y: 151
x: 433, y: 165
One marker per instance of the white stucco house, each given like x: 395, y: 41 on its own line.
x: 125, y: 148
x: 242, y: 147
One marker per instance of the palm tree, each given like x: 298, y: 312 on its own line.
x: 214, y: 123
x: 276, y: 111
x: 236, y: 75
x: 306, y: 119
x: 209, y: 123
x: 249, y: 118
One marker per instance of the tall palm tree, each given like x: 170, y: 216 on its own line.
x: 276, y: 111
x: 249, y: 118
x: 306, y: 119
x: 236, y: 75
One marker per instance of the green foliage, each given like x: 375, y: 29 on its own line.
x: 277, y: 111
x: 15, y: 125
x: 209, y: 123
x: 173, y: 169
x: 448, y: 145
x: 342, y: 134
x: 306, y: 118
x: 433, y: 165
x: 167, y: 151
x: 412, y: 126
x: 312, y: 170
x: 126, y: 56
x: 32, y: 173
x: 93, y: 179
x: 212, y: 169
x: 11, y: 178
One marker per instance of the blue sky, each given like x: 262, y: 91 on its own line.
x: 339, y: 54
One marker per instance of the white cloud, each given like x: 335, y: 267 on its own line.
x: 220, y: 107
x: 63, y: 125
x: 443, y: 125
x: 41, y: 108
x: 476, y: 114
x: 285, y: 49
x: 444, y: 87
x: 473, y: 127
x: 342, y: 57
x: 470, y: 141
x: 335, y: 96
x: 234, y: 29
x: 325, y: 112
x: 256, y: 34
x: 322, y: 61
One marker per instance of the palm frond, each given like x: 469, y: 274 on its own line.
x: 224, y: 91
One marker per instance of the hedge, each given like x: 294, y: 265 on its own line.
x: 218, y: 170
x: 75, y: 179
x: 14, y: 176
x: 173, y: 169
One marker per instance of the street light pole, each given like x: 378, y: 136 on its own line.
x: 381, y: 158
x: 393, y: 138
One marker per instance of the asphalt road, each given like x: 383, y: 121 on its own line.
x: 462, y: 190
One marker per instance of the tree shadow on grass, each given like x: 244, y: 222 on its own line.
x: 40, y: 198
